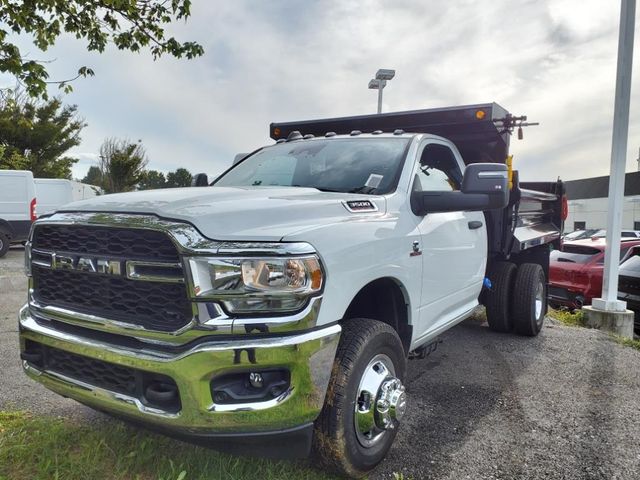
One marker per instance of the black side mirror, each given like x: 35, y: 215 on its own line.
x: 485, y: 186
x: 200, y: 180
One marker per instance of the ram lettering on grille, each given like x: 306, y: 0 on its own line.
x: 121, y: 281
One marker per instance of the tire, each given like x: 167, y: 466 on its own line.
x: 336, y: 443
x: 498, y: 300
x: 529, y: 305
x: 4, y: 244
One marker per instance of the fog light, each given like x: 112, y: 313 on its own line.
x: 248, y: 387
x: 255, y: 379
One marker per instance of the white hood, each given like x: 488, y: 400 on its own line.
x: 236, y: 213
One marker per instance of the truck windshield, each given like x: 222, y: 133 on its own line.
x: 348, y: 165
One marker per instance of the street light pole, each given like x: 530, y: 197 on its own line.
x: 609, y: 301
x: 380, y: 82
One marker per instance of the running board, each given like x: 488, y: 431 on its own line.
x: 424, y: 350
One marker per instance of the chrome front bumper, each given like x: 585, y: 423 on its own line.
x: 308, y: 356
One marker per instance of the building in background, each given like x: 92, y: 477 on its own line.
x: 588, y: 203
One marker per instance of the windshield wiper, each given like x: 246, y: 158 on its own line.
x: 362, y: 189
x: 322, y: 189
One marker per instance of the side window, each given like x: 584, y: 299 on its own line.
x: 439, y: 170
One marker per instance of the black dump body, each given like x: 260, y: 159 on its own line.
x: 480, y: 137
x: 528, y: 226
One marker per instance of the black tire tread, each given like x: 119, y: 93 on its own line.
x: 5, y: 244
x: 527, y: 278
x: 498, y: 300
x: 328, y: 432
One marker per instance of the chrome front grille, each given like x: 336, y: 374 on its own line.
x: 129, y: 276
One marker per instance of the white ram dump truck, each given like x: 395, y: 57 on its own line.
x: 274, y: 311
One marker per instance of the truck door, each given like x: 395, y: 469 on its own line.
x: 453, y: 244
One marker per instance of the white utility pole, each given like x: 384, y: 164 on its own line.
x: 380, y: 82
x: 609, y: 301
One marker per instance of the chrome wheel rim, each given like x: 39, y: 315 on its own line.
x: 539, y: 300
x: 380, y: 401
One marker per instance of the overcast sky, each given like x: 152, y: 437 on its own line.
x: 552, y: 60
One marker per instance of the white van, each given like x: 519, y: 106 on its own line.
x: 17, y: 207
x: 55, y: 192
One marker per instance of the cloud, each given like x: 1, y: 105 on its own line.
x: 278, y: 61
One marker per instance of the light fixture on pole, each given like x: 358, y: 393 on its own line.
x: 380, y: 82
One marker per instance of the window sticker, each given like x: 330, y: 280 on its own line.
x: 374, y: 180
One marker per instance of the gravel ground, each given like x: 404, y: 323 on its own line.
x: 563, y: 405
x: 17, y: 391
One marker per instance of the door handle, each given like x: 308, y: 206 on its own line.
x: 474, y: 224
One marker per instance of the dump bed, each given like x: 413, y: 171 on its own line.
x: 534, y: 215
x: 479, y: 131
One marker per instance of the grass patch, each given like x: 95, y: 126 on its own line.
x: 50, y: 448
x: 575, y: 319
x: 627, y: 342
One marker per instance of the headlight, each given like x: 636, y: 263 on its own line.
x: 246, y: 285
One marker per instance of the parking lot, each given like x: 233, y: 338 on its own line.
x: 562, y: 405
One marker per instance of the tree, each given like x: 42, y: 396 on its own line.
x: 180, y: 178
x: 152, y: 179
x: 93, y: 176
x: 128, y: 24
x: 122, y: 165
x: 36, y: 134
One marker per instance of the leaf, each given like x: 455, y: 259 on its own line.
x: 127, y: 24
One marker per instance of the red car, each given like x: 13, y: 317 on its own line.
x: 575, y: 271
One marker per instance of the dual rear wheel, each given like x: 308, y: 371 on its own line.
x: 517, y: 300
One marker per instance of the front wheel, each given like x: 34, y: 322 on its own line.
x: 365, y: 399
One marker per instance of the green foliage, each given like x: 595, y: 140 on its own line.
x: 627, y: 342
x: 122, y: 165
x: 573, y: 319
x: 46, y: 448
x: 35, y: 135
x: 93, y: 176
x: 180, y: 178
x: 128, y: 24
x: 152, y: 179
x: 155, y: 179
